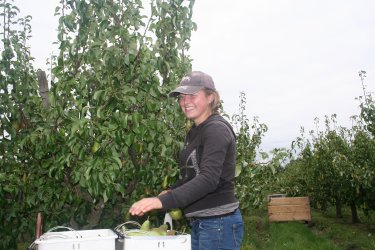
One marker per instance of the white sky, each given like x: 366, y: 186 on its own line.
x: 294, y: 59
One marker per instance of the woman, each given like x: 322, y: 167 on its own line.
x: 207, y: 165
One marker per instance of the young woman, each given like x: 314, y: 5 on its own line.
x: 207, y: 165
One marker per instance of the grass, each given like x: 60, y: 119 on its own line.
x: 325, y: 232
x: 343, y: 233
x: 295, y: 235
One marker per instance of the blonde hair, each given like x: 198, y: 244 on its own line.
x: 215, y: 105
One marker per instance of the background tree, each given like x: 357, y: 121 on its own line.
x: 256, y: 174
x: 110, y: 134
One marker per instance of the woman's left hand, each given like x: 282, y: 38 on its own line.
x: 141, y: 207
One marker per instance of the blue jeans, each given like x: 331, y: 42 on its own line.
x: 218, y: 233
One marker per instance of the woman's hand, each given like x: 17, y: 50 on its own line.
x: 141, y: 207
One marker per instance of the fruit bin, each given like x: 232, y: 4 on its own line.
x: 179, y: 241
x: 98, y: 239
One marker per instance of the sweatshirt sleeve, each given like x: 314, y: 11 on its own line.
x: 216, y: 139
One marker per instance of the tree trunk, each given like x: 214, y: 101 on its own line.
x: 338, y: 208
x: 355, y: 218
x: 43, y: 87
x: 95, y: 214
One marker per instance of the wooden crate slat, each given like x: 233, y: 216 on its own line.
x: 289, y: 201
x: 289, y: 217
x: 288, y: 209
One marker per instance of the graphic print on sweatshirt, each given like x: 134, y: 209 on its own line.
x: 191, y: 168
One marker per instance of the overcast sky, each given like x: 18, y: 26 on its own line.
x: 294, y: 59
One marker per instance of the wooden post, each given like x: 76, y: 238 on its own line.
x: 38, y: 227
x: 43, y: 87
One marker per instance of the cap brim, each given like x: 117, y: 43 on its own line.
x: 187, y: 90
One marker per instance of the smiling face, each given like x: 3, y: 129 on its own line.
x: 196, y: 106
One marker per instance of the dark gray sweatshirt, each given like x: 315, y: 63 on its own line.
x: 207, y: 168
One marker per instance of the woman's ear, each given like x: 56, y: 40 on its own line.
x: 210, y: 98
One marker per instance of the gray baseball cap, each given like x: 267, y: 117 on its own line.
x: 192, y: 83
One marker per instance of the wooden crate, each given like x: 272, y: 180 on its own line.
x: 289, y: 209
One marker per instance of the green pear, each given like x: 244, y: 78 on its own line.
x: 176, y: 214
x: 164, y: 227
x: 158, y: 231
x: 137, y: 233
x: 164, y: 184
x: 146, y: 225
x: 171, y: 232
x: 95, y: 147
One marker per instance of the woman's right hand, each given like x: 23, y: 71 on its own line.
x: 141, y: 207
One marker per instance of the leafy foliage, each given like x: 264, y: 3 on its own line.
x: 114, y: 72
x: 110, y: 134
x: 20, y: 112
x: 255, y: 180
x: 335, y: 168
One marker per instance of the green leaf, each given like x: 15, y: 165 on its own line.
x: 105, y: 196
x: 99, y: 112
x: 88, y: 173
x: 238, y: 170
x: 168, y: 140
x: 98, y: 94
x: 117, y: 160
x: 129, y: 138
x: 163, y: 150
x: 273, y: 169
x: 101, y: 178
x: 75, y: 126
x: 150, y: 147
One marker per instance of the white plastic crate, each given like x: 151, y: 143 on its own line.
x: 100, y: 239
x: 181, y: 241
x: 178, y: 242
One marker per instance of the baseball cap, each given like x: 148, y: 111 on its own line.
x: 192, y: 83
